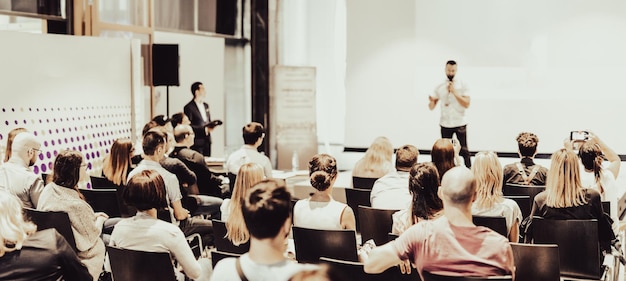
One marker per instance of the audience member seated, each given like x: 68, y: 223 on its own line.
x: 29, y: 255
x: 208, y: 183
x: 489, y: 200
x: 391, y: 192
x: 144, y: 232
x: 426, y: 204
x: 565, y: 197
x: 10, y: 136
x: 377, y: 160
x: 525, y: 171
x: 154, y: 146
x: 179, y: 118
x: 117, y: 164
x: 445, y: 155
x: 595, y: 176
x: 16, y: 175
x: 62, y: 195
x: 267, y: 214
x: 249, y: 175
x: 321, y: 211
x: 441, y: 246
x: 253, y: 135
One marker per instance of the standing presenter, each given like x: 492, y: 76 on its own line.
x: 454, y: 100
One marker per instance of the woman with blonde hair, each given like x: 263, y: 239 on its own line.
x: 27, y: 254
x: 321, y: 211
x: 565, y: 197
x: 249, y: 174
x: 116, y: 165
x: 377, y: 160
x: 489, y: 200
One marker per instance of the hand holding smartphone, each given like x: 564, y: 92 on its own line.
x: 579, y: 135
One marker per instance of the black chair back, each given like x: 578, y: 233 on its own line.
x: 311, y: 244
x: 222, y: 243
x: 217, y: 256
x: 356, y: 197
x: 131, y: 265
x: 375, y: 224
x: 579, y: 250
x: 125, y: 210
x: 497, y: 224
x: 364, y: 183
x: 524, y: 203
x: 101, y: 182
x: 231, y: 181
x: 103, y: 200
x: 436, y: 277
x: 606, y: 207
x: 57, y: 220
x: 520, y: 189
x: 537, y: 262
x: 350, y: 270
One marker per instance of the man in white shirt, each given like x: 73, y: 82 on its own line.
x: 391, y: 192
x: 453, y: 94
x: 253, y: 135
x: 16, y: 175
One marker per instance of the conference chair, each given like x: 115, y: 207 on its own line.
x: 217, y: 256
x: 375, y: 224
x: 103, y: 200
x: 520, y: 189
x: 537, y: 262
x: 436, y: 277
x: 351, y: 270
x: 49, y: 219
x: 579, y: 251
x: 524, y: 203
x: 497, y: 224
x: 101, y: 182
x: 311, y: 244
x: 364, y: 183
x: 222, y: 243
x: 356, y: 197
x: 132, y: 265
x: 125, y: 210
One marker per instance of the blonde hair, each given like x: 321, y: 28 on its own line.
x: 563, y: 187
x: 13, y: 229
x: 249, y: 174
x: 115, y: 165
x: 377, y: 158
x: 488, y: 174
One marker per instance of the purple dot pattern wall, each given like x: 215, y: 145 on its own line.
x: 88, y: 129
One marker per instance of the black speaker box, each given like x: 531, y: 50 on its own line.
x: 165, y: 65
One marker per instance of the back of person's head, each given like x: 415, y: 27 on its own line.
x: 406, y: 157
x: 149, y: 126
x: 563, y: 187
x: 194, y: 87
x: 442, y: 155
x: 458, y: 187
x: 252, y: 132
x: 379, y: 151
x: 115, y: 166
x: 249, y: 174
x: 321, y: 273
x: 152, y: 140
x: 145, y: 190
x: 488, y: 173
x: 591, y: 156
x: 22, y: 142
x: 66, y: 171
x: 178, y: 118
x: 266, y: 208
x: 527, y: 144
x: 10, y: 136
x: 13, y: 229
x: 322, y: 171
x: 161, y: 120
x: 181, y: 132
x: 423, y: 186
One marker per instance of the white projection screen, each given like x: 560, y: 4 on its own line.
x: 548, y: 67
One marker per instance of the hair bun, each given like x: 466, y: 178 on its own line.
x: 320, y: 180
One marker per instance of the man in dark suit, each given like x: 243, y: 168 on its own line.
x: 198, y: 112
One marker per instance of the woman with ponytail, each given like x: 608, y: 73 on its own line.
x: 426, y: 204
x: 321, y: 211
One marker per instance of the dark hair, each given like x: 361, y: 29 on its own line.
x: 451, y: 62
x: 161, y: 120
x: 177, y: 119
x: 66, y: 171
x: 442, y: 156
x: 194, y: 87
x: 145, y: 190
x: 591, y: 156
x: 149, y: 126
x: 266, y: 208
x: 406, y: 157
x: 252, y: 132
x: 322, y: 171
x: 423, y: 185
x: 527, y: 143
x: 151, y: 141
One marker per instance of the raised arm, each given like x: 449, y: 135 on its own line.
x: 611, y: 156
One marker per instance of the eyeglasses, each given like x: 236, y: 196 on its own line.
x: 37, y: 151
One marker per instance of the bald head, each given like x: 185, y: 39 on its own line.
x: 458, y: 186
x: 25, y: 147
x: 183, y: 134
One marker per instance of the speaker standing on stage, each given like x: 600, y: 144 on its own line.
x: 198, y: 112
x: 454, y: 100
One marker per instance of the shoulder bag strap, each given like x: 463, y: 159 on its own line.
x: 533, y: 173
x: 522, y: 172
x: 239, y: 270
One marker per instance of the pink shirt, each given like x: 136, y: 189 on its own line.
x: 439, y: 247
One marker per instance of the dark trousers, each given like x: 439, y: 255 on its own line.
x: 461, y: 135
